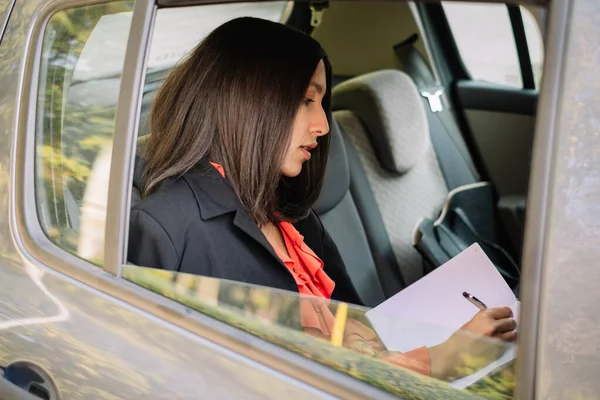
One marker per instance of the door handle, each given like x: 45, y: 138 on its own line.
x: 29, y: 380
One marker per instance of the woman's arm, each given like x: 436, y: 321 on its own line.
x: 472, y: 341
x: 443, y: 361
x: 149, y: 243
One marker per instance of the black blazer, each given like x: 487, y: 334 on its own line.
x: 197, y: 225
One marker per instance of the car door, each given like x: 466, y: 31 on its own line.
x: 69, y: 329
x: 78, y: 319
x: 490, y: 58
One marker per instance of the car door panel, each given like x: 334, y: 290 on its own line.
x: 94, y: 346
x: 500, y: 123
x: 9, y: 391
x: 97, y: 347
x: 505, y: 141
x: 479, y: 95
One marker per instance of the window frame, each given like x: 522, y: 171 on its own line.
x: 447, y: 55
x: 126, y: 127
x: 36, y: 248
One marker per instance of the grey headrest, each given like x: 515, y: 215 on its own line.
x: 337, y: 174
x: 389, y: 105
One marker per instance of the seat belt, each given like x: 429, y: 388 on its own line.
x: 452, y: 153
x: 317, y: 8
x: 472, y: 208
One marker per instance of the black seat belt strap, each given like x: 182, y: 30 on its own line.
x: 454, y: 158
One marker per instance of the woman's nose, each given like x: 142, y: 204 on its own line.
x: 320, y: 125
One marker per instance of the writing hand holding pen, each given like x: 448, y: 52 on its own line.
x: 497, y: 321
x: 470, y: 340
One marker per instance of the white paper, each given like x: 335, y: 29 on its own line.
x: 433, y: 308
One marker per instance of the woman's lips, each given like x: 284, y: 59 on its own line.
x: 306, y: 152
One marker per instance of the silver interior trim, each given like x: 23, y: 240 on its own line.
x: 542, y: 167
x: 126, y: 124
x: 27, y: 232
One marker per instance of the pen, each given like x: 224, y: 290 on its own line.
x: 475, y: 301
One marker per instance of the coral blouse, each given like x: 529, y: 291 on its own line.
x: 307, y: 270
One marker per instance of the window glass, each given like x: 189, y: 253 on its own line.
x: 275, y: 316
x: 535, y: 44
x: 75, y: 122
x: 348, y: 343
x: 485, y: 40
x: 82, y: 62
x: 178, y: 30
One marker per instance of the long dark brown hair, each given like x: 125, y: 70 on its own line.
x: 233, y: 101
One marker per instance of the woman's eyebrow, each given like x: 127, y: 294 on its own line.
x: 317, y: 87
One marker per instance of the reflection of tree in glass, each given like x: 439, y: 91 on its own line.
x: 73, y: 128
x: 500, y: 385
x: 275, y: 307
x: 393, y: 379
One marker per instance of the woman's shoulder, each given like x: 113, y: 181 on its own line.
x: 171, y: 201
x: 312, y: 231
x: 310, y: 225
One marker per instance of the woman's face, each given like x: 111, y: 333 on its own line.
x: 309, y: 124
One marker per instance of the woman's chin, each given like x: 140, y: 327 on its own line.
x: 291, y: 171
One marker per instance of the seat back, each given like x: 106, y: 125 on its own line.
x: 383, y: 116
x: 354, y: 231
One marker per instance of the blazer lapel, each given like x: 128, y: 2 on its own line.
x: 215, y: 197
x: 243, y: 221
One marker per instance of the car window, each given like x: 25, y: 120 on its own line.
x: 276, y: 316
x: 75, y: 122
x: 178, y: 30
x: 80, y: 76
x: 486, y: 43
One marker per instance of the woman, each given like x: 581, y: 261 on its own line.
x: 234, y: 161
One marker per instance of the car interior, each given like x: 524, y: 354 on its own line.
x: 425, y: 159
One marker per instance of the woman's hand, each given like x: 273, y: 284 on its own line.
x: 493, y: 322
x: 472, y: 340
